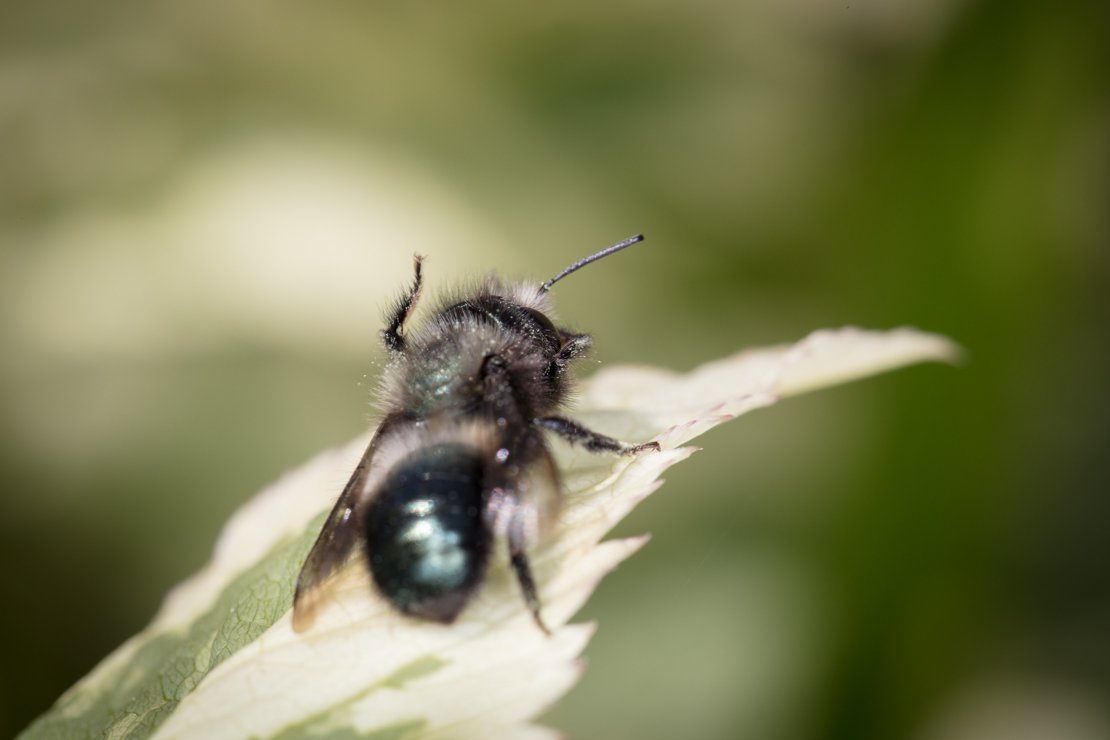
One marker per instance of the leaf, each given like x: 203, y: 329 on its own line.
x: 220, y: 659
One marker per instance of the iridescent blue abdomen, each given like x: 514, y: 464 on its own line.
x: 425, y: 537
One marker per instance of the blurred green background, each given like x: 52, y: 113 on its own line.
x: 204, y: 206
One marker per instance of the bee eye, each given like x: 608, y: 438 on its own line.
x: 425, y: 537
x: 542, y: 329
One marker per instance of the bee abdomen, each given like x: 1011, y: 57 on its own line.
x: 426, y: 540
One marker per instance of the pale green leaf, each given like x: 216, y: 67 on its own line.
x: 220, y: 659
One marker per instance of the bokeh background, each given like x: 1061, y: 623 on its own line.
x: 204, y: 207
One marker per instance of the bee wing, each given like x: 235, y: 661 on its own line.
x: 336, y: 541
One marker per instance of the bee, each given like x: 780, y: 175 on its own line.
x: 459, y: 462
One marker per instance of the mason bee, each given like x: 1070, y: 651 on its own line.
x: 459, y: 462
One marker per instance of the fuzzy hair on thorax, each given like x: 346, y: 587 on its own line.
x: 440, y: 371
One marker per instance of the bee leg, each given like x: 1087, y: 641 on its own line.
x: 393, y: 334
x: 517, y: 539
x: 574, y: 432
x: 498, y: 391
x: 527, y: 585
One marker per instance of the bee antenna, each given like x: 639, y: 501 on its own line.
x: 546, y: 285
